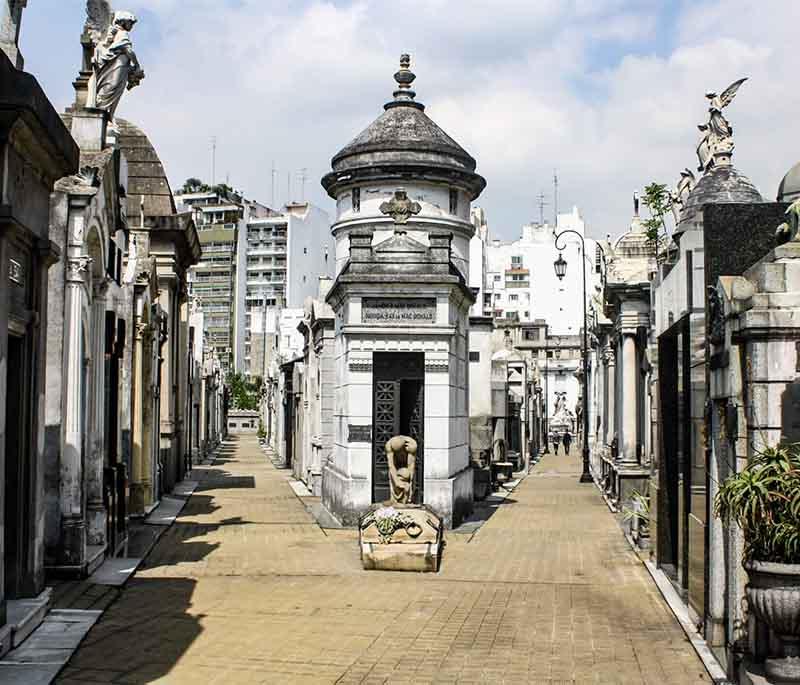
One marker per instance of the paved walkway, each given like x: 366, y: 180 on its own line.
x: 246, y: 588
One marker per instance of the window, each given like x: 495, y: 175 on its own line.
x: 356, y: 199
x: 305, y: 250
x: 497, y: 297
x: 527, y: 315
x: 453, y: 201
x: 532, y: 334
x: 513, y: 298
x: 516, y: 261
x: 549, y: 354
x: 474, y: 356
x: 497, y: 278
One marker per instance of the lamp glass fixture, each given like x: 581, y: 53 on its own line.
x: 560, y: 266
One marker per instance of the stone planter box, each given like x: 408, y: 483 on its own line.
x: 409, y: 540
x: 773, y: 594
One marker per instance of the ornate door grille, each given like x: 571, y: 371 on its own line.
x: 387, y: 425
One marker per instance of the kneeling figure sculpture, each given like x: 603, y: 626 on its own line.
x: 401, y: 454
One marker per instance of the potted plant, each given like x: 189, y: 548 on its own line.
x: 639, y: 516
x: 764, y: 500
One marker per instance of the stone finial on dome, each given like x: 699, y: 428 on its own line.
x: 404, y: 95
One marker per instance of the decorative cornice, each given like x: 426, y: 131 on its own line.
x: 437, y: 365
x: 360, y: 365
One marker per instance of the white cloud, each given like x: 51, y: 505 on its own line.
x: 607, y: 91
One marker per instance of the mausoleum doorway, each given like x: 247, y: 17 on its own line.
x: 398, y: 409
x: 18, y: 471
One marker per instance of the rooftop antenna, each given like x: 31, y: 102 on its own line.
x: 541, y: 197
x: 555, y: 197
x: 213, y: 160
x: 288, y: 187
x: 272, y: 192
x: 303, y: 176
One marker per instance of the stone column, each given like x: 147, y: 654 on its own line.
x: 611, y: 392
x: 96, y: 514
x: 142, y: 420
x: 628, y: 437
x: 73, y: 523
x: 168, y: 388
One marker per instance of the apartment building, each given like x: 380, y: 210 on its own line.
x: 520, y: 283
x: 284, y: 257
x: 220, y: 216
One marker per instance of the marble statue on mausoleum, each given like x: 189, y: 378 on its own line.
x: 114, y: 63
x: 717, y: 133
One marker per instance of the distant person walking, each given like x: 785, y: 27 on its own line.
x: 567, y: 441
x: 556, y: 440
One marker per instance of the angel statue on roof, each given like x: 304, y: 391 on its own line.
x: 114, y: 63
x: 717, y: 134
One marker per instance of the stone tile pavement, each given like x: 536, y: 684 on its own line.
x: 246, y: 588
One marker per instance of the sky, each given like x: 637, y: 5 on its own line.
x: 608, y: 93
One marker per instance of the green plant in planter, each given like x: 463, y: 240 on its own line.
x: 640, y: 511
x: 764, y: 499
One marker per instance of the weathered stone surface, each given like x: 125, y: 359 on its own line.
x: 401, y: 538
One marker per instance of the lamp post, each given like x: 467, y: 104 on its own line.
x: 546, y: 394
x: 560, y: 266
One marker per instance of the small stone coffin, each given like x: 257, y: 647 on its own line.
x: 401, y: 537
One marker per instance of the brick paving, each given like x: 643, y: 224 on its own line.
x: 247, y: 588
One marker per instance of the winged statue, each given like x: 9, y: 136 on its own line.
x: 115, y: 67
x: 686, y: 183
x: 717, y: 134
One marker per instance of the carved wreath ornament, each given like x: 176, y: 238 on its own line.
x: 388, y: 521
x: 400, y: 207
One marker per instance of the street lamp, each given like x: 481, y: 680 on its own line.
x: 560, y: 266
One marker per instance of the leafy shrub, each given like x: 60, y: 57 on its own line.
x: 764, y: 500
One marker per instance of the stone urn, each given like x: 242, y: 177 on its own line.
x: 773, y: 594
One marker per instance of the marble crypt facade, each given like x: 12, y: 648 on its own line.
x: 401, y: 305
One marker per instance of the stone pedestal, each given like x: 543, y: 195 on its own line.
x: 89, y: 128
x: 401, y: 538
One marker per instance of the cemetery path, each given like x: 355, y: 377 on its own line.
x: 245, y: 588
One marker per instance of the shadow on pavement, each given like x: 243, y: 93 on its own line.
x: 146, y: 632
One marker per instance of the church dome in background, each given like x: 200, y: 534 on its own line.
x: 403, y: 141
x: 789, y: 189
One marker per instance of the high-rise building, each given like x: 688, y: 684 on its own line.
x: 520, y: 283
x: 285, y: 255
x: 220, y: 216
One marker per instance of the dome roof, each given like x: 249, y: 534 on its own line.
x: 403, y: 139
x: 147, y: 180
x: 724, y: 184
x: 789, y: 189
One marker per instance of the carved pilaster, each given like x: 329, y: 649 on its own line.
x: 76, y: 269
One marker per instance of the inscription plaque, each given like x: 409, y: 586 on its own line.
x: 16, y: 272
x: 406, y: 310
x: 359, y: 433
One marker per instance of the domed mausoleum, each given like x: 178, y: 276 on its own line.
x: 403, y: 189
x: 789, y: 189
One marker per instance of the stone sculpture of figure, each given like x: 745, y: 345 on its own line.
x: 401, y: 454
x: 561, y: 403
x: 717, y: 133
x: 116, y: 67
x: 678, y: 196
x: 788, y: 231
